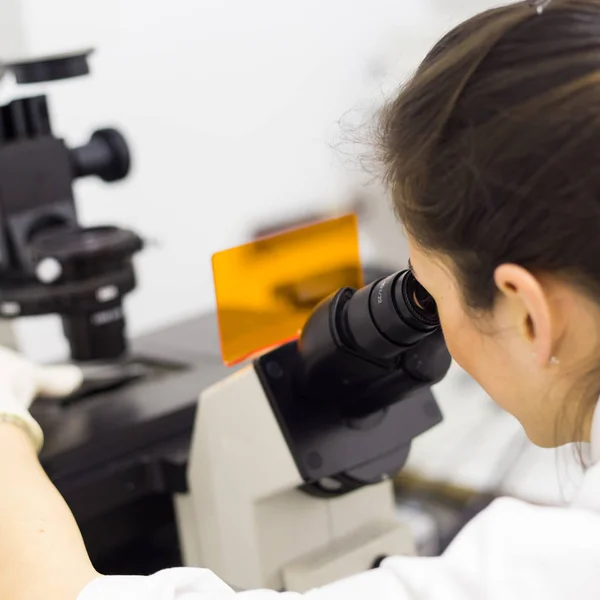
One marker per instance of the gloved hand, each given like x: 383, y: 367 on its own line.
x: 21, y: 381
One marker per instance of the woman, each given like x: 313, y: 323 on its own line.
x: 492, y: 155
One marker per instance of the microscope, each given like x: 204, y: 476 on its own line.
x: 49, y: 263
x: 292, y: 457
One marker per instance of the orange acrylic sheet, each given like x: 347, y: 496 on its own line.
x: 266, y: 289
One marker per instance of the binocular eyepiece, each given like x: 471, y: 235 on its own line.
x: 354, y: 390
x: 389, y: 316
x: 374, y: 346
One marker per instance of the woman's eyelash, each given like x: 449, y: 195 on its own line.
x: 411, y: 269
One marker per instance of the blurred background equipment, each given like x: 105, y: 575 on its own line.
x: 110, y: 447
x: 48, y: 262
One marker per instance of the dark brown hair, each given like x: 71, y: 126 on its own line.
x: 492, y: 149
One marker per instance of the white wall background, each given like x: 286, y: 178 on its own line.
x: 231, y: 108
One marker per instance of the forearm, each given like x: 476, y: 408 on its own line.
x: 42, y: 554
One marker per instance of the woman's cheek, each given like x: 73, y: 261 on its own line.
x: 461, y: 341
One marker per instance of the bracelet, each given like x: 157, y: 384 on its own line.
x: 28, y: 424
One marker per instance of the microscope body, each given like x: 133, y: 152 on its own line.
x: 292, y: 458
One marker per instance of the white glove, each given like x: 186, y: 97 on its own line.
x: 21, y: 381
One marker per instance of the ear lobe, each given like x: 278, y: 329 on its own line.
x: 529, y: 308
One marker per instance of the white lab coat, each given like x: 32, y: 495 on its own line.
x: 510, y: 551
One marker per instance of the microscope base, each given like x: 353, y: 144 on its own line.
x: 244, y: 516
x: 348, y: 556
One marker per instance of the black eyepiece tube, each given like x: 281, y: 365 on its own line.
x: 391, y: 315
x: 376, y: 341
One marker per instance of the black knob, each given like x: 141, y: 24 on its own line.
x: 106, y: 155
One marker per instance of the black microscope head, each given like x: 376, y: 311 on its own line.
x: 371, y: 347
x: 354, y: 391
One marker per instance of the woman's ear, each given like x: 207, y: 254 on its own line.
x: 528, y: 309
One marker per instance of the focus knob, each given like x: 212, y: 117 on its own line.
x: 106, y: 155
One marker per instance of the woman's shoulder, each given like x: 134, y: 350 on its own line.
x: 528, y: 531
